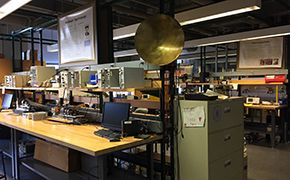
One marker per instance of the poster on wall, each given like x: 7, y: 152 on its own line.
x: 77, y: 37
x: 262, y: 53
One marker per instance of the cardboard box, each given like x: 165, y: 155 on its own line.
x: 5, y: 68
x: 57, y: 156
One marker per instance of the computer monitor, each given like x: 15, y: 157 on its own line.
x: 7, y: 101
x: 114, y: 114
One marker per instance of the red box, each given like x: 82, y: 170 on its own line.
x: 275, y: 78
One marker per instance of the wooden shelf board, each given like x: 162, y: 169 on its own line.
x: 99, y: 90
x: 254, y: 82
x: 30, y: 88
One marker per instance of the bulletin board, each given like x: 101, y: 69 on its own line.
x: 77, y: 37
x: 262, y: 53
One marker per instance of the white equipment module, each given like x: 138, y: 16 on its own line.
x: 39, y: 74
x: 124, y: 77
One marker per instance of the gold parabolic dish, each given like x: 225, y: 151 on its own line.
x: 159, y: 40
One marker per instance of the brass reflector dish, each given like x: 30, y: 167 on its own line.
x: 159, y: 40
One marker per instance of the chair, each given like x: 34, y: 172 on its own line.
x: 3, y: 176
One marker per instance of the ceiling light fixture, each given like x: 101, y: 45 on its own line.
x: 210, y: 12
x: 229, y: 38
x: 217, y: 10
x: 242, y: 36
x: 125, y: 32
x: 11, y: 6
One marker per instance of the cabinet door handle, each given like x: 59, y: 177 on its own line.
x: 227, y: 163
x: 227, y: 138
x: 227, y: 109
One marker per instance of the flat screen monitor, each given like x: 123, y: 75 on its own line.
x: 114, y: 114
x: 7, y: 101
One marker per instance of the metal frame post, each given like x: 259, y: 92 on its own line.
x: 216, y: 58
x: 287, y: 85
x: 15, y: 154
x: 150, y: 167
x: 13, y: 54
x: 204, y: 63
x: 162, y: 117
x: 227, y: 57
x: 167, y: 7
x: 32, y: 47
x: 21, y: 49
x: 41, y: 47
x: 172, y: 92
x: 104, y: 25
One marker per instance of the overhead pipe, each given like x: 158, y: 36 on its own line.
x: 36, y: 39
x: 24, y: 41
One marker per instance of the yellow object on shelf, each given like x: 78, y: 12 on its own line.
x: 247, y: 105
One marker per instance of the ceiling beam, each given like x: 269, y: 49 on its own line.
x: 202, y: 2
x: 130, y: 12
x: 53, y: 6
x: 236, y: 37
x: 147, y: 4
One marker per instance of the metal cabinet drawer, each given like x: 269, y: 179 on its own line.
x: 227, y: 167
x: 225, y: 142
x: 238, y: 176
x: 225, y: 115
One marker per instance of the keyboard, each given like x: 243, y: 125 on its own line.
x: 108, y: 134
x: 60, y: 120
x: 67, y: 121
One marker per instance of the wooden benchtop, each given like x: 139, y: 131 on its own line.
x: 78, y: 137
x: 266, y: 107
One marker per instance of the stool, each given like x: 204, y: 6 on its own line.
x: 3, y: 166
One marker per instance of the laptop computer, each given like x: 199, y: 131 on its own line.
x: 7, y: 101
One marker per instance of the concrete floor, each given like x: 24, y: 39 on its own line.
x: 265, y: 163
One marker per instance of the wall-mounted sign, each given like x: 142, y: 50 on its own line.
x: 262, y: 53
x: 77, y: 37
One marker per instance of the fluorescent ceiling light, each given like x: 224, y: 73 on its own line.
x: 230, y: 38
x: 266, y: 36
x: 217, y: 10
x: 125, y: 32
x: 243, y: 36
x: 213, y: 11
x: 216, y: 16
x: 11, y: 6
x: 123, y: 36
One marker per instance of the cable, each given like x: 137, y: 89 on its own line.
x: 86, y: 67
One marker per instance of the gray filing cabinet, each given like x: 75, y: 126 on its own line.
x: 214, y: 151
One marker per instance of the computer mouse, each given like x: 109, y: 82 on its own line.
x: 115, y: 139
